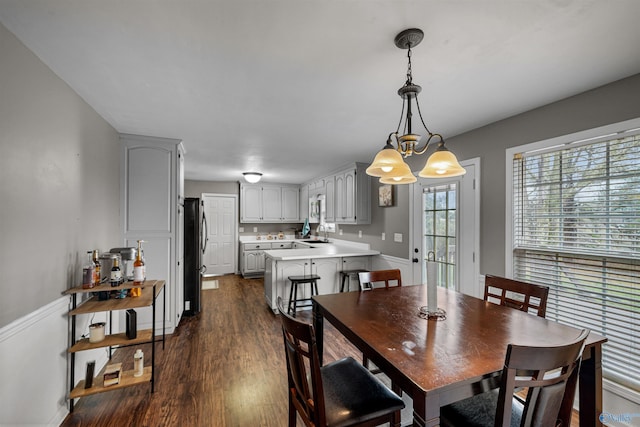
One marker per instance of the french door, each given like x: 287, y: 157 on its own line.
x: 445, y: 217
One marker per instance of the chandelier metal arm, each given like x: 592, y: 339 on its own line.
x: 401, y: 117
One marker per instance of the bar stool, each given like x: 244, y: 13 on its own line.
x: 347, y: 274
x: 293, y: 293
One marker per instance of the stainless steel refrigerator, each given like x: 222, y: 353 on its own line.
x: 195, y: 242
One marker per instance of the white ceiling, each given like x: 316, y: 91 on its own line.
x: 295, y: 88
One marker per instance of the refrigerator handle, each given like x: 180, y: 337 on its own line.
x: 204, y: 238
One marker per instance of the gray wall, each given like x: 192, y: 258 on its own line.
x: 59, y: 182
x: 608, y: 104
x: 390, y: 220
x: 196, y: 188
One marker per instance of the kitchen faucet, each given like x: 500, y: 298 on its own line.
x: 324, y: 229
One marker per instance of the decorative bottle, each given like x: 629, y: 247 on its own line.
x: 138, y: 363
x: 138, y: 271
x: 97, y: 273
x: 116, y: 274
x: 88, y: 272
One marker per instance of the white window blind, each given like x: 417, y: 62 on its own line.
x: 577, y: 230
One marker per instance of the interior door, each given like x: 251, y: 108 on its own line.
x: 221, y: 211
x: 461, y: 269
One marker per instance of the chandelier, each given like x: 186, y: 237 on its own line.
x: 389, y: 164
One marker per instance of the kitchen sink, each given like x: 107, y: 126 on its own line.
x: 315, y: 241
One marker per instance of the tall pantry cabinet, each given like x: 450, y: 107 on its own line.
x: 152, y: 191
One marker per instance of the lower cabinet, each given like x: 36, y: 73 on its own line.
x: 252, y: 259
x: 277, y: 272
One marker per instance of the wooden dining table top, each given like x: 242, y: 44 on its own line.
x: 435, y: 355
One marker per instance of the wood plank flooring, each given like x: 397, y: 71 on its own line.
x: 222, y: 367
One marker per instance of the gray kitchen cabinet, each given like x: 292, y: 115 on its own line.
x: 330, y: 199
x: 250, y: 203
x: 304, y: 202
x: 352, y: 195
x: 291, y: 204
x: 252, y: 260
x: 269, y: 203
x: 151, y: 194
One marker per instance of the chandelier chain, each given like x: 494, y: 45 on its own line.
x: 409, y: 75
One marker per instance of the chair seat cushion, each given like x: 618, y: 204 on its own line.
x: 353, y: 395
x: 478, y: 411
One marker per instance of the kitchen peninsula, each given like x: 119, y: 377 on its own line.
x: 326, y: 259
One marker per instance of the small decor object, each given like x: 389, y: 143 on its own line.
x: 96, y: 332
x: 432, y: 283
x: 431, y: 311
x: 138, y: 363
x: 88, y: 378
x: 385, y: 195
x: 132, y: 322
x: 112, y: 374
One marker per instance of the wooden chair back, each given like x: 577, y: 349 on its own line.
x: 303, y: 370
x: 550, y: 374
x: 389, y: 277
x: 354, y: 397
x: 522, y: 296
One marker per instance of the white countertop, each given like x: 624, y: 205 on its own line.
x: 320, y: 250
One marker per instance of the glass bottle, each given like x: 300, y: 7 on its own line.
x: 116, y: 274
x: 138, y: 363
x: 97, y: 274
x: 138, y: 271
x: 88, y: 272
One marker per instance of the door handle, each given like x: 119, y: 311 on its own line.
x: 416, y: 260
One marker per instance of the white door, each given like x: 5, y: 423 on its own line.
x: 446, y: 218
x: 221, y: 211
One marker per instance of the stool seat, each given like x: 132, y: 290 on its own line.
x: 346, y: 274
x: 303, y: 279
x: 311, y: 279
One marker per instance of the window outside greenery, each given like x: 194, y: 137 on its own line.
x: 439, y: 204
x: 577, y: 230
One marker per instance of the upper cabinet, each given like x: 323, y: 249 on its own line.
x: 270, y: 203
x: 352, y: 195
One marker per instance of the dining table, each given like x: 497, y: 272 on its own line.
x: 440, y: 360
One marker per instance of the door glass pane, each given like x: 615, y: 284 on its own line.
x: 439, y: 225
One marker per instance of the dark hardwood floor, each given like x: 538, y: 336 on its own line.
x: 222, y: 367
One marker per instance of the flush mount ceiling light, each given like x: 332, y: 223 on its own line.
x: 389, y: 164
x: 252, y: 177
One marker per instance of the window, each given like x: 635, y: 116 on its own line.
x: 576, y: 229
x: 439, y: 204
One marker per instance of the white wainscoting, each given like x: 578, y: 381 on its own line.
x: 34, y: 365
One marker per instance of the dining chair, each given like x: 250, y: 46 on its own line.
x: 516, y: 294
x: 548, y: 373
x: 389, y: 277
x: 367, y: 279
x: 339, y: 394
